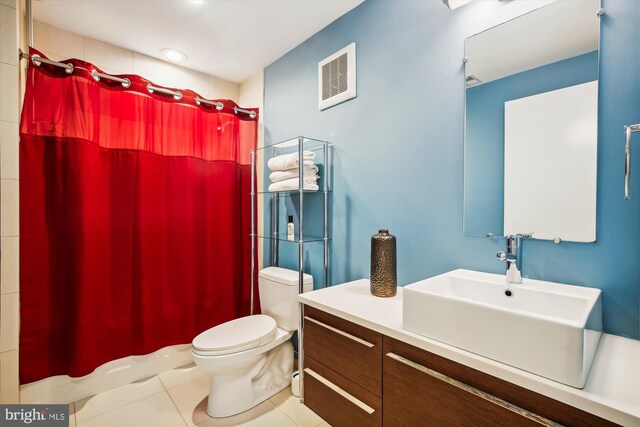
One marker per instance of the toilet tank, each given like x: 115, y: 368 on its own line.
x: 278, y: 295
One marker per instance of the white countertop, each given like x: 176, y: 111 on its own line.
x: 613, y: 386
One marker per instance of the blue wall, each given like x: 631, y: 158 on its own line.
x: 484, y: 150
x: 399, y: 148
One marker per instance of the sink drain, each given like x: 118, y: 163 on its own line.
x: 508, y: 292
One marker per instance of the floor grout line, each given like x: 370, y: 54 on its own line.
x: 75, y: 419
x: 277, y: 407
x: 285, y: 414
x: 186, y: 423
x: 163, y: 384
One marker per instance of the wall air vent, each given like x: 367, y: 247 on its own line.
x: 337, y: 77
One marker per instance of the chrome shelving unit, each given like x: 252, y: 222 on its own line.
x: 259, y: 157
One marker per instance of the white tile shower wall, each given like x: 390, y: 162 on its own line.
x: 9, y: 221
x: 9, y: 265
x: 113, y: 57
x: 9, y: 389
x: 10, y: 211
x: 9, y: 316
x: 59, y: 44
x: 8, y: 35
x: 9, y: 150
x: 9, y: 91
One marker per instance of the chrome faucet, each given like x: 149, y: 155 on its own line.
x: 513, y: 257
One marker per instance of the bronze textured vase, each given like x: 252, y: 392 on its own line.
x: 384, y: 278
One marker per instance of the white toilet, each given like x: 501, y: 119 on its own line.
x: 251, y: 358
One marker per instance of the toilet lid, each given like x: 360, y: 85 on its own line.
x: 237, y: 335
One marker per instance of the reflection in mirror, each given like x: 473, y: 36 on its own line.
x: 531, y: 125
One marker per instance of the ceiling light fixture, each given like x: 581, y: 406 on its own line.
x: 453, y: 4
x: 173, y: 55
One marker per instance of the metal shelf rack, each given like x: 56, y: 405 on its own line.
x: 259, y: 157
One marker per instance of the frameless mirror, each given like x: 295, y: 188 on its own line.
x: 531, y: 118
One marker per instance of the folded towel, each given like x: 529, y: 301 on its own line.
x: 290, y: 161
x: 294, y: 184
x: 293, y: 173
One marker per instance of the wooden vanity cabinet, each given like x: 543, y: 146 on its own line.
x: 358, y: 377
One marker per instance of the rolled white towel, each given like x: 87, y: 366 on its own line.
x: 294, y: 184
x: 290, y: 161
x: 293, y: 173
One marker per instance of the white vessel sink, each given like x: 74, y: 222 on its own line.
x: 546, y: 328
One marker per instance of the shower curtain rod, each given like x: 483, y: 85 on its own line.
x: 69, y: 67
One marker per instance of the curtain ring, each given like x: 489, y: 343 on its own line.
x: 34, y: 60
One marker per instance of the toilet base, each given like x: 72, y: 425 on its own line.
x: 232, y: 394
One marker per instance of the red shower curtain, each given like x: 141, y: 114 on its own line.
x: 134, y: 219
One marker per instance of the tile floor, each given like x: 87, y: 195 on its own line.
x: 178, y: 398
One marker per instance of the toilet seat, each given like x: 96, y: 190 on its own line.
x: 236, y: 335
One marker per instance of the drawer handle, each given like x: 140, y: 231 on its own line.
x: 341, y: 332
x: 359, y: 403
x: 470, y: 389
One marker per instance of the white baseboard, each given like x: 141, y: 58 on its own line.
x: 111, y: 375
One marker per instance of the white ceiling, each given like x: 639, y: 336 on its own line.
x: 561, y: 30
x: 230, y: 39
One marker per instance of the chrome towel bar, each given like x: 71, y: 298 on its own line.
x: 628, y: 130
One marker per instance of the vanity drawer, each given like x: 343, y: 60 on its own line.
x: 337, y: 400
x: 413, y: 394
x: 351, y: 350
x: 419, y: 385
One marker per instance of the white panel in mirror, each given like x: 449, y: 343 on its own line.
x: 550, y: 163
